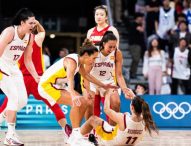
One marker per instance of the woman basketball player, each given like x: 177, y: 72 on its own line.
x: 108, y: 68
x: 14, y: 41
x: 57, y: 86
x: 95, y: 34
x: 129, y: 130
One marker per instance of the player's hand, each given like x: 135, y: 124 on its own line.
x: 109, y: 86
x: 110, y: 92
x: 76, y: 101
x: 129, y: 94
x: 88, y: 94
x: 36, y: 22
x: 37, y: 79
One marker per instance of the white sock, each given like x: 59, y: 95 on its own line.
x: 11, y: 127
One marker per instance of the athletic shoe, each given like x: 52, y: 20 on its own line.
x: 67, y: 132
x: 93, y: 139
x: 12, y: 139
x: 77, y: 139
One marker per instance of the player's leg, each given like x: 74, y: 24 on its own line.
x: 90, y: 124
x: 10, y: 85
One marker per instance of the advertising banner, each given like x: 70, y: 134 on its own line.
x: 168, y: 111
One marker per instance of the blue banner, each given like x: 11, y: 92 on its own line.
x: 167, y: 111
x: 171, y: 111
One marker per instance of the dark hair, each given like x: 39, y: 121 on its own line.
x: 34, y: 30
x: 88, y: 47
x: 104, y: 7
x: 182, y: 15
x: 184, y: 40
x: 22, y: 15
x: 141, y: 107
x: 181, y: 23
x: 108, y: 36
x: 151, y: 47
x: 142, y: 85
x: 138, y: 14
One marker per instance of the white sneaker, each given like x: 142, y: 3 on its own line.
x: 76, y: 139
x: 67, y: 132
x: 73, y: 136
x: 2, y: 117
x: 12, y: 139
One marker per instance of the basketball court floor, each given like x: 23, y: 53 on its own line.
x: 54, y: 138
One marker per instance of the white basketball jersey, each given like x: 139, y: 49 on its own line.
x: 133, y: 133
x: 15, y: 49
x: 57, y: 72
x: 166, y: 22
x: 104, y: 67
x: 181, y: 68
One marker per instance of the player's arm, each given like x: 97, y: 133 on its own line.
x: 86, y: 83
x: 113, y: 115
x: 5, y: 38
x: 90, y: 78
x: 28, y: 60
x: 40, y: 36
x: 89, y: 33
x: 120, y: 79
x: 70, y: 66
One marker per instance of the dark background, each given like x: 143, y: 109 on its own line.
x: 75, y: 16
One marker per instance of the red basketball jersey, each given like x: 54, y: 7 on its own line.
x: 36, y: 58
x: 96, y: 35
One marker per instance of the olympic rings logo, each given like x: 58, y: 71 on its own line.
x: 172, y: 109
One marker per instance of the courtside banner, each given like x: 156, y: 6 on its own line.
x: 168, y: 111
x: 171, y: 111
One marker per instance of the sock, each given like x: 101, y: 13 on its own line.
x: 97, y: 105
x: 11, y: 127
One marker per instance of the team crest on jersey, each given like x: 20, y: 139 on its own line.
x: 25, y: 41
x: 112, y: 57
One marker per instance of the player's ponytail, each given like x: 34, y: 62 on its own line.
x: 141, y: 107
x: 87, y: 47
x: 147, y: 117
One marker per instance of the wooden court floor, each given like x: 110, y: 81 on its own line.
x: 55, y: 138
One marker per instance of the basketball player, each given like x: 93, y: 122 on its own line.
x: 32, y: 85
x: 95, y: 34
x: 130, y: 129
x: 57, y: 85
x: 14, y: 41
x: 108, y: 68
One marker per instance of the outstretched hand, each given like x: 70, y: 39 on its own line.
x: 88, y: 94
x: 109, y: 86
x: 76, y: 101
x: 37, y: 79
x: 129, y: 94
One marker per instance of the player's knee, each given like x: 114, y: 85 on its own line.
x: 92, y: 118
x: 22, y: 102
x: 83, y: 102
x: 90, y: 103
